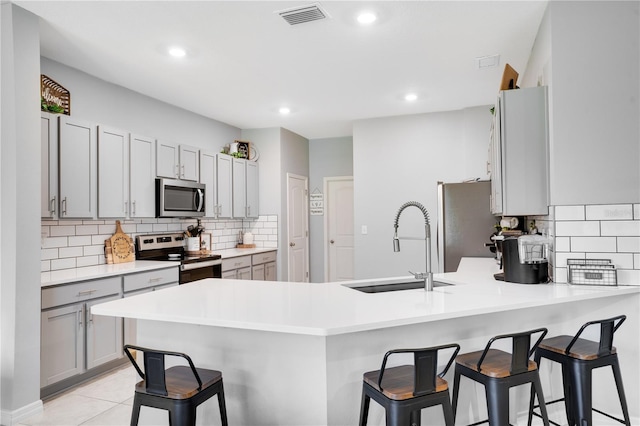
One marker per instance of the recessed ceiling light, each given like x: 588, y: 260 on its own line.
x: 177, y: 52
x: 367, y: 18
x: 410, y: 97
x: 284, y: 110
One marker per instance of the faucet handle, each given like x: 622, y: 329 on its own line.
x: 419, y: 275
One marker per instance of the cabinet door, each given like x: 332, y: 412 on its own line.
x: 258, y: 272
x: 104, y: 336
x: 142, y: 176
x: 239, y: 187
x: 224, y: 186
x: 496, y: 162
x: 113, y: 173
x: 189, y: 165
x: 270, y: 271
x: 77, y: 168
x: 62, y: 344
x: 230, y: 275
x: 167, y: 155
x: 208, y: 177
x: 252, y: 189
x: 49, y: 165
x: 244, y: 273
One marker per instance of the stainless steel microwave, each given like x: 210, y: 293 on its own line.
x: 179, y: 198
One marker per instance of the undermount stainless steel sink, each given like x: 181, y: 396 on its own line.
x: 383, y: 286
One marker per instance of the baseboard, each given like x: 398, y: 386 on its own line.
x: 8, y: 418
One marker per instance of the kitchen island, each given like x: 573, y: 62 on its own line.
x: 294, y: 353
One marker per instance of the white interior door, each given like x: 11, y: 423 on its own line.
x: 338, y: 228
x: 298, y: 228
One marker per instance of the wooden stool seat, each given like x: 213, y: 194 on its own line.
x: 181, y: 383
x: 582, y: 348
x: 398, y: 382
x: 496, y: 363
x: 405, y: 390
x: 499, y: 371
x: 179, y: 390
x: 578, y: 358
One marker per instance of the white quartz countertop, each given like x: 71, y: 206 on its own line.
x: 332, y: 308
x: 67, y: 276
x: 236, y: 252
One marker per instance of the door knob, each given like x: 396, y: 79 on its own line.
x: 292, y: 244
x: 332, y: 241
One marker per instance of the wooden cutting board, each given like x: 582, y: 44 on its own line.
x: 121, y: 246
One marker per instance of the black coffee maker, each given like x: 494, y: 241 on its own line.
x: 525, y: 259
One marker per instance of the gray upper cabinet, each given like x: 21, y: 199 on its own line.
x: 224, y: 186
x: 113, y: 173
x: 142, y: 176
x: 176, y: 161
x: 519, y: 153
x: 208, y: 172
x: 245, y: 188
x: 49, y: 165
x: 77, y: 168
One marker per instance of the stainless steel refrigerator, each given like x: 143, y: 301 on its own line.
x: 465, y: 222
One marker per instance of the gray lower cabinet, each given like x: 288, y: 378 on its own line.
x: 72, y: 340
x: 264, y: 266
x: 237, y: 268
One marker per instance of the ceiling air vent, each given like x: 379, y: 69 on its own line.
x: 302, y: 14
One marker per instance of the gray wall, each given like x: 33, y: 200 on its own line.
x: 398, y: 159
x: 595, y: 57
x: 19, y: 213
x: 99, y: 101
x: 327, y: 158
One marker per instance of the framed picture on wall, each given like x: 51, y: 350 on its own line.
x: 243, y: 149
x: 206, y: 241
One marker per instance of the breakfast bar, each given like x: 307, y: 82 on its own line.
x: 294, y: 353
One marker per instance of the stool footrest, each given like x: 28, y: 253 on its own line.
x: 560, y: 400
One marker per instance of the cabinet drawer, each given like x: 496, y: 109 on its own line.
x: 269, y: 256
x: 78, y: 292
x: 236, y: 263
x: 143, y: 280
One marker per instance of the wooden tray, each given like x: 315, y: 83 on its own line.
x: 246, y: 246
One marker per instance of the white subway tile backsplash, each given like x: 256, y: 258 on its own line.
x: 621, y: 260
x: 46, y: 254
x: 93, y: 250
x: 561, y: 258
x: 60, y: 231
x: 83, y: 240
x: 87, y: 261
x: 55, y: 242
x: 636, y: 261
x: 562, y: 244
x: 144, y: 228
x: 577, y: 229
x: 609, y: 212
x: 86, y: 229
x: 57, y: 264
x: 629, y: 244
x: 599, y: 244
x: 569, y: 213
x: 636, y: 211
x: 99, y: 239
x: 70, y: 252
x: 621, y: 228
x: 45, y: 265
x: 629, y: 277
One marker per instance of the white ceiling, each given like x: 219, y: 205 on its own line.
x: 244, y: 61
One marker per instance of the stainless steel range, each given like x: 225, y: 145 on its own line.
x: 171, y: 247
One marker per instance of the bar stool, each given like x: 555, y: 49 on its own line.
x: 403, y: 391
x: 498, y: 371
x: 178, y: 389
x: 578, y: 358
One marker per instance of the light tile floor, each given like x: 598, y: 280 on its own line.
x: 104, y: 401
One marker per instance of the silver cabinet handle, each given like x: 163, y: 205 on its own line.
x: 80, y: 312
x: 86, y: 292
x: 64, y: 206
x: 133, y: 211
x: 53, y: 206
x: 332, y: 241
x: 154, y: 280
x: 183, y: 170
x: 177, y: 170
x: 292, y: 244
x: 125, y: 207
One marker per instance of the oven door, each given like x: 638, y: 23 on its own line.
x: 190, y: 272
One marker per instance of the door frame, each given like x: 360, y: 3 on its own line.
x: 325, y: 189
x: 306, y: 219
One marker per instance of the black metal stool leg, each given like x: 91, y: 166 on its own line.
x: 581, y: 389
x: 456, y: 389
x: 448, y: 413
x: 415, y: 418
x: 532, y: 398
x: 617, y: 375
x: 222, y: 405
x: 135, y: 412
x: 497, y: 403
x: 543, y: 408
x: 364, y: 408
